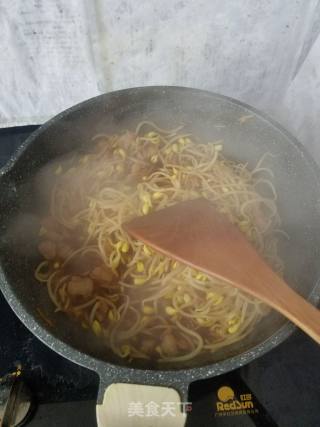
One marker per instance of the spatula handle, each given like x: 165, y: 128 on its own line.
x: 289, y: 303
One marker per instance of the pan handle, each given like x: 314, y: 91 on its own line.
x: 135, y: 405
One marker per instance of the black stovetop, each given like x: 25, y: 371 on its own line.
x: 284, y: 384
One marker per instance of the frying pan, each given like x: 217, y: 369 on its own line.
x: 247, y: 134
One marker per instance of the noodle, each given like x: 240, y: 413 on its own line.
x: 143, y: 304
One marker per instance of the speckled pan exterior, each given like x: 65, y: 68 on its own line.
x: 211, y: 117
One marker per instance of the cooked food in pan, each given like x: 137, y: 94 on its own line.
x: 140, y: 303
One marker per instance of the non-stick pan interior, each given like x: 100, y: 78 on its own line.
x: 246, y: 136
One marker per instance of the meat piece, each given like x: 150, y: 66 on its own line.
x: 80, y: 286
x: 64, y: 251
x: 102, y: 312
x: 49, y: 223
x: 48, y: 249
x: 126, y: 140
x: 54, y: 236
x: 138, y: 171
x: 168, y: 345
x: 183, y: 344
x: 52, y: 230
x: 148, y: 345
x: 102, y: 273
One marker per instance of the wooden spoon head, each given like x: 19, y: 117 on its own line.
x: 195, y: 233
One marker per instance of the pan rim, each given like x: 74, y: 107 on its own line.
x: 130, y: 374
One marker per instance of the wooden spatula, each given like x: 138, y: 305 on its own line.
x: 194, y: 233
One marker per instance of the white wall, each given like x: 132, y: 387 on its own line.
x: 55, y: 53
